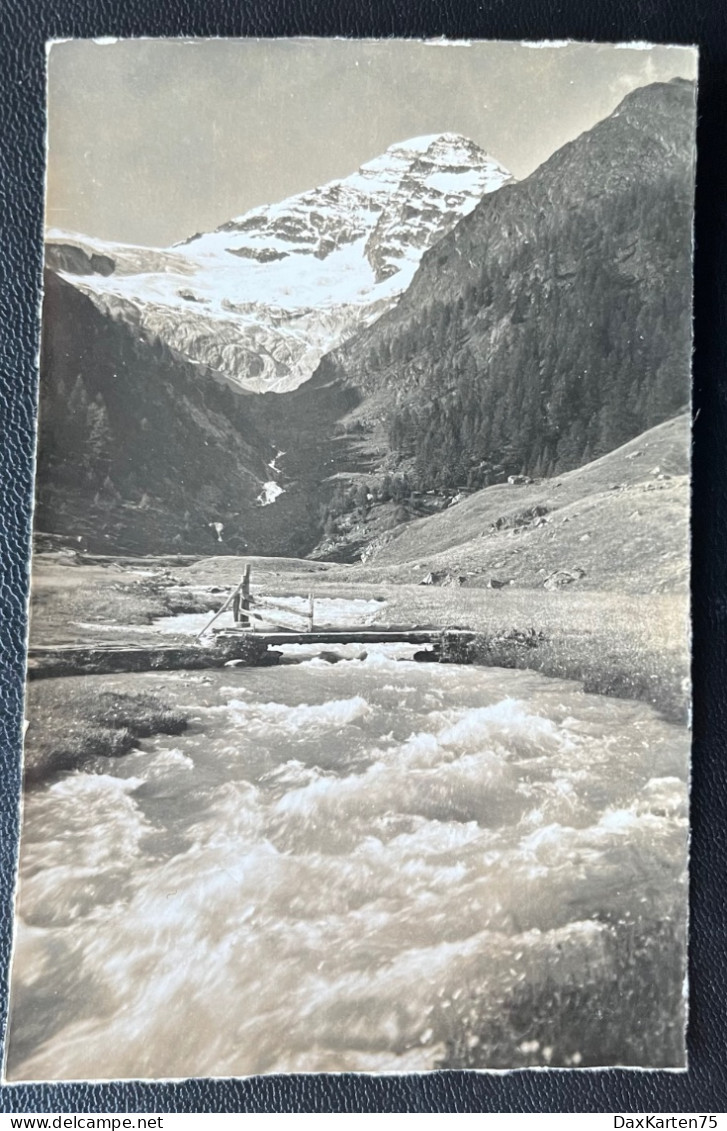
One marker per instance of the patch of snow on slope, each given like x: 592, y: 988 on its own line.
x: 270, y: 492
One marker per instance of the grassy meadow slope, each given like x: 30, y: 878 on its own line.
x: 622, y: 520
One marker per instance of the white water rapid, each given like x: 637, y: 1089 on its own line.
x: 332, y: 865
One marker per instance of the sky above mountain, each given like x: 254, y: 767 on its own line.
x: 152, y: 140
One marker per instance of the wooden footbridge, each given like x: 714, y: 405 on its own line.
x: 259, y: 626
x: 269, y: 620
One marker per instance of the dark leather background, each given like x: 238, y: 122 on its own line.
x: 26, y: 25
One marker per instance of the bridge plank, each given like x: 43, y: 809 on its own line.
x: 345, y: 636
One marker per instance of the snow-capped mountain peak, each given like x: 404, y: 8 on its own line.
x: 266, y: 294
x: 445, y: 174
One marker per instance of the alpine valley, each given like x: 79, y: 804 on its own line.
x: 359, y: 653
x: 315, y: 374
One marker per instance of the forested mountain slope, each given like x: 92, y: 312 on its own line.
x: 553, y: 323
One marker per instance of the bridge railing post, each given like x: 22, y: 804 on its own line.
x: 311, y: 613
x: 245, y: 598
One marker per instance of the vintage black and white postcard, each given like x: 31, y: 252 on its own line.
x: 357, y: 712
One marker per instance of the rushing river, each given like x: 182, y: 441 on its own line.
x: 339, y: 867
